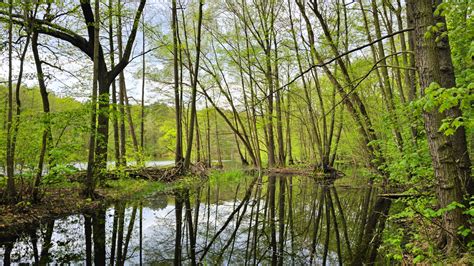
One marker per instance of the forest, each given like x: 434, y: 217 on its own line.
x: 230, y: 132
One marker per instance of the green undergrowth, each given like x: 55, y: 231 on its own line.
x: 131, y: 188
x: 128, y: 188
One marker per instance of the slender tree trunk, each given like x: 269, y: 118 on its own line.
x: 385, y: 78
x: 218, y: 144
x: 278, y: 103
x: 289, y: 147
x: 128, y: 111
x: 208, y: 137
x: 408, y: 62
x: 115, y: 119
x: 142, y: 113
x: 194, y: 78
x: 198, y: 142
x: 124, y: 103
x: 47, y: 125
x: 92, y: 160
x: 179, y: 130
x: 16, y: 124
x: 11, y: 190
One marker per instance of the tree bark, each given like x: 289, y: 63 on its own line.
x: 11, y: 190
x: 179, y: 160
x: 194, y: 79
x: 115, y: 119
x: 47, y: 125
x: 449, y: 154
x: 92, y: 160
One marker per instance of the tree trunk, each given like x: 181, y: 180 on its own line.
x: 92, y: 160
x: 124, y: 103
x: 47, y: 126
x: 449, y: 154
x: 11, y: 190
x: 194, y: 79
x: 179, y: 129
x: 142, y: 113
x: 115, y: 119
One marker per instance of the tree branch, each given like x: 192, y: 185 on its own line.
x: 128, y: 49
x: 334, y: 59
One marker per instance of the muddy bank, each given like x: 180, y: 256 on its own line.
x: 57, y: 202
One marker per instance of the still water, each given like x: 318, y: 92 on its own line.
x: 277, y: 220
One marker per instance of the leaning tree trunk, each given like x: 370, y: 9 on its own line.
x: 46, y: 109
x: 449, y: 154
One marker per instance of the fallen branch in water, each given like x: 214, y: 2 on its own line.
x: 399, y: 195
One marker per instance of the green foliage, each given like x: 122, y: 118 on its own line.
x: 411, y: 222
x: 186, y: 182
x: 467, y: 232
x: 133, y: 188
x: 443, y: 99
x: 68, y: 130
x: 59, y: 174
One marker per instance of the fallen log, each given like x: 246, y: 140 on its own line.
x: 399, y: 195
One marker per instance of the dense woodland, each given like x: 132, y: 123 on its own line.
x: 378, y: 90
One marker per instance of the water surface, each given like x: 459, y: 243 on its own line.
x: 253, y: 220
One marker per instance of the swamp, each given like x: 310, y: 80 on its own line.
x: 236, y: 132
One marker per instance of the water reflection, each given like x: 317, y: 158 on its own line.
x: 274, y: 220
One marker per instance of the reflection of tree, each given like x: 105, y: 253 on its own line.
x: 119, y: 245
x: 243, y: 204
x: 44, y: 255
x: 7, y: 253
x: 276, y: 220
x: 179, y: 219
x: 88, y: 234
x: 98, y: 229
x: 301, y: 222
x: 37, y: 245
x: 372, y: 234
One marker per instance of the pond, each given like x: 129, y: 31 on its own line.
x: 226, y: 220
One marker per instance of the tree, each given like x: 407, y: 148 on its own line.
x: 11, y: 191
x: 46, y: 110
x: 179, y: 160
x: 450, y: 156
x: 90, y: 182
x: 194, y: 83
x: 105, y: 76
